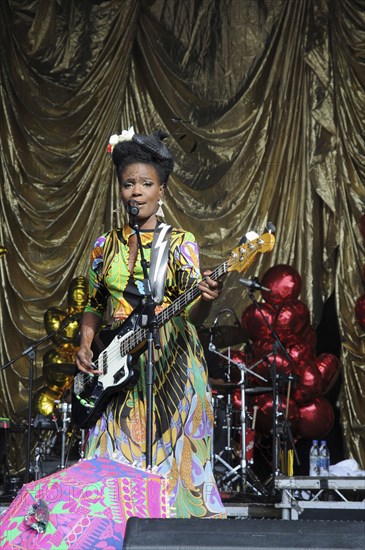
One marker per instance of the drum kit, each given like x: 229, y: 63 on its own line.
x: 234, y: 410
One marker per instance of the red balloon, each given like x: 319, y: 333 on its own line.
x: 360, y: 311
x: 264, y: 416
x: 310, y: 382
x: 316, y: 419
x: 329, y: 368
x: 362, y: 225
x: 301, y: 352
x: 284, y: 282
x: 292, y: 319
x: 254, y: 324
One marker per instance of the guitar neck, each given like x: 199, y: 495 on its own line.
x: 141, y: 334
x: 189, y: 296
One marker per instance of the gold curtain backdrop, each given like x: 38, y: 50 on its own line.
x: 263, y: 101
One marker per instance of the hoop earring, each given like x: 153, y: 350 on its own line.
x: 160, y: 212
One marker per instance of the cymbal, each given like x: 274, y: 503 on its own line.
x: 229, y: 386
x: 258, y: 390
x: 222, y: 336
x: 225, y: 388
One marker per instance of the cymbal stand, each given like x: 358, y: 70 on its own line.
x: 66, y: 419
x: 38, y: 459
x: 241, y: 473
x: 82, y: 444
x: 229, y: 413
x: 228, y: 452
x: 280, y: 421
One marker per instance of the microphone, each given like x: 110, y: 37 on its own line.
x: 132, y: 208
x: 254, y: 284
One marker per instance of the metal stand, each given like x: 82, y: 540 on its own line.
x: 31, y: 354
x: 148, y: 320
x: 280, y: 421
x: 66, y: 419
x: 82, y: 444
x: 241, y: 473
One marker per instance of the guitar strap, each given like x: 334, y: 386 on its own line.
x: 158, y: 261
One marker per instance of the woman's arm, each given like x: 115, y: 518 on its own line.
x: 210, y: 290
x: 90, y: 325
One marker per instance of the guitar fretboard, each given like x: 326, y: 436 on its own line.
x: 138, y: 336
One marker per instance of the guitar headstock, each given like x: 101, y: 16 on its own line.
x: 243, y: 255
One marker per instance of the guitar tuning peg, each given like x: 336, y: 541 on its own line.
x: 270, y: 227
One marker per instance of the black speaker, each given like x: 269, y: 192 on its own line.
x: 237, y: 534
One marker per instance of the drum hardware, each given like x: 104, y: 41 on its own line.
x: 65, y: 409
x: 223, y: 336
x: 45, y: 446
x: 240, y: 475
x: 82, y: 443
x: 281, y: 428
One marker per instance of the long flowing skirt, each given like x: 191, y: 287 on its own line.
x: 182, y: 423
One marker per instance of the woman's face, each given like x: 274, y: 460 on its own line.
x: 140, y: 182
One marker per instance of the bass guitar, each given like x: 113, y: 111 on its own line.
x: 91, y: 392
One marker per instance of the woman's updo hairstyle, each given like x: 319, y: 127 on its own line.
x: 147, y: 149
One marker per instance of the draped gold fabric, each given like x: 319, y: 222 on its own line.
x: 264, y: 104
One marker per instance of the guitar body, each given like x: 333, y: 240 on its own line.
x: 91, y: 393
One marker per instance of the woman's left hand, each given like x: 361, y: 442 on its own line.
x: 210, y: 290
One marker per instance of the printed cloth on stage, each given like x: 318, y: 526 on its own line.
x: 89, y: 504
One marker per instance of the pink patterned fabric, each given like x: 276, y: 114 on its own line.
x: 89, y: 504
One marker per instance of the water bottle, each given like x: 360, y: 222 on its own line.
x: 314, y: 459
x: 324, y: 459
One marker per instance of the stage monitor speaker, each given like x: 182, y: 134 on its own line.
x: 238, y: 534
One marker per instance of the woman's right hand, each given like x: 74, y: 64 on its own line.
x: 83, y: 360
x: 84, y: 357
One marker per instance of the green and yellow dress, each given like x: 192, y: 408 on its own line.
x: 183, y: 417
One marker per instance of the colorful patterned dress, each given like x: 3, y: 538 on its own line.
x: 183, y: 419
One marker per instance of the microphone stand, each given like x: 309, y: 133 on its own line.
x: 31, y: 354
x: 277, y: 344
x: 149, y: 320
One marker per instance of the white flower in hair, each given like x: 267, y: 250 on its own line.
x: 126, y: 135
x: 114, y: 139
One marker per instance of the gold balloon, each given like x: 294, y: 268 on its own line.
x: 44, y: 400
x: 77, y: 294
x: 58, y: 368
x: 54, y: 319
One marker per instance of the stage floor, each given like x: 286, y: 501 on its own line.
x: 325, y: 498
